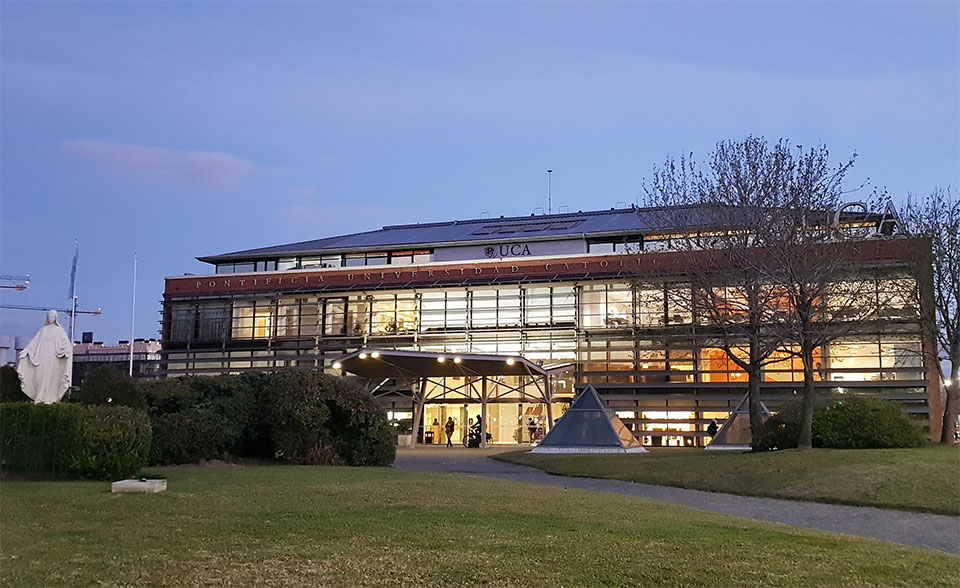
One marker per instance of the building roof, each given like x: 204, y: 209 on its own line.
x: 598, y: 223
x: 463, y: 232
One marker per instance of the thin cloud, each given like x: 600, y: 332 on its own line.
x: 202, y: 170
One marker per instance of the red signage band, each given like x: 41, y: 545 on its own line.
x: 513, y: 271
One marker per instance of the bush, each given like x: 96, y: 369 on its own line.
x: 865, y: 423
x: 190, y: 436
x: 782, y: 430
x: 10, y: 390
x: 298, y: 416
x: 318, y: 419
x: 106, y: 385
x: 849, y: 422
x: 198, y: 418
x: 99, y: 442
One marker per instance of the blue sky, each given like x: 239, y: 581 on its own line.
x: 181, y: 129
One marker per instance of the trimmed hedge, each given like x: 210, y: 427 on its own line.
x: 99, y: 442
x: 850, y: 422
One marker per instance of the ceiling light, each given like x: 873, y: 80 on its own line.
x: 337, y: 365
x: 362, y: 355
x: 441, y: 359
x: 375, y: 354
x: 458, y: 360
x: 510, y: 361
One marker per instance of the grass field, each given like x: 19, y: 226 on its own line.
x: 316, y: 526
x: 924, y: 479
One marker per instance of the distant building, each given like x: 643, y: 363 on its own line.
x: 10, y: 348
x: 90, y: 354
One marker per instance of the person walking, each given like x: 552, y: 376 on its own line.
x: 448, y: 429
x: 712, y: 428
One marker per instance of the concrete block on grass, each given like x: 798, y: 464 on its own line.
x: 142, y: 485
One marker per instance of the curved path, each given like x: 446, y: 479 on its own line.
x: 931, y: 531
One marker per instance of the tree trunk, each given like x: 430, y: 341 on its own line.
x: 948, y: 429
x: 806, y: 418
x: 753, y: 401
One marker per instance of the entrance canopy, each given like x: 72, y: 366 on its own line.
x: 389, y: 363
x: 454, y: 378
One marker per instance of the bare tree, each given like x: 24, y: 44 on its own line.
x: 814, y: 252
x: 771, y: 214
x: 723, y: 210
x: 937, y: 217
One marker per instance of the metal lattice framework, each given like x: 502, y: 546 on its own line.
x: 424, y: 374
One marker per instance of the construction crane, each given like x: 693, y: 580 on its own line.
x: 49, y: 308
x: 15, y: 282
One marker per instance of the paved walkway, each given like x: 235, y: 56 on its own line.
x: 931, y: 531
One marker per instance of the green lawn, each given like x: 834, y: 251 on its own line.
x: 324, y: 526
x: 923, y: 479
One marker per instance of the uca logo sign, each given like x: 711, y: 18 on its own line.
x: 506, y: 250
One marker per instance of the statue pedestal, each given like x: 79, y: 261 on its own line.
x: 143, y: 486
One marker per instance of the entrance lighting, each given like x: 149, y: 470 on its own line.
x: 457, y: 360
x: 375, y: 354
x: 510, y: 361
x: 363, y: 355
x: 441, y: 359
x: 337, y: 365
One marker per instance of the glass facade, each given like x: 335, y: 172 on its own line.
x: 642, y: 345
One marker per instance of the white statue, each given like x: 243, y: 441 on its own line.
x: 46, y: 363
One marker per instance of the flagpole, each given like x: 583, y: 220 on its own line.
x: 133, y: 311
x: 73, y: 289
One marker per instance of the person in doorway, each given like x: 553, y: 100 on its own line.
x: 712, y: 428
x: 532, y: 429
x: 448, y: 429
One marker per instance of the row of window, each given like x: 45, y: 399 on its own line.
x: 878, y: 358
x: 324, y: 261
x: 601, y: 306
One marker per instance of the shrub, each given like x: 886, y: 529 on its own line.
x: 865, y: 423
x: 849, y: 422
x: 190, y: 436
x: 314, y: 418
x: 300, y: 416
x: 296, y: 417
x: 199, y: 418
x: 106, y: 385
x: 782, y: 430
x: 100, y: 442
x: 10, y: 390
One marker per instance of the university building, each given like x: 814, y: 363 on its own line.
x: 562, y: 300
